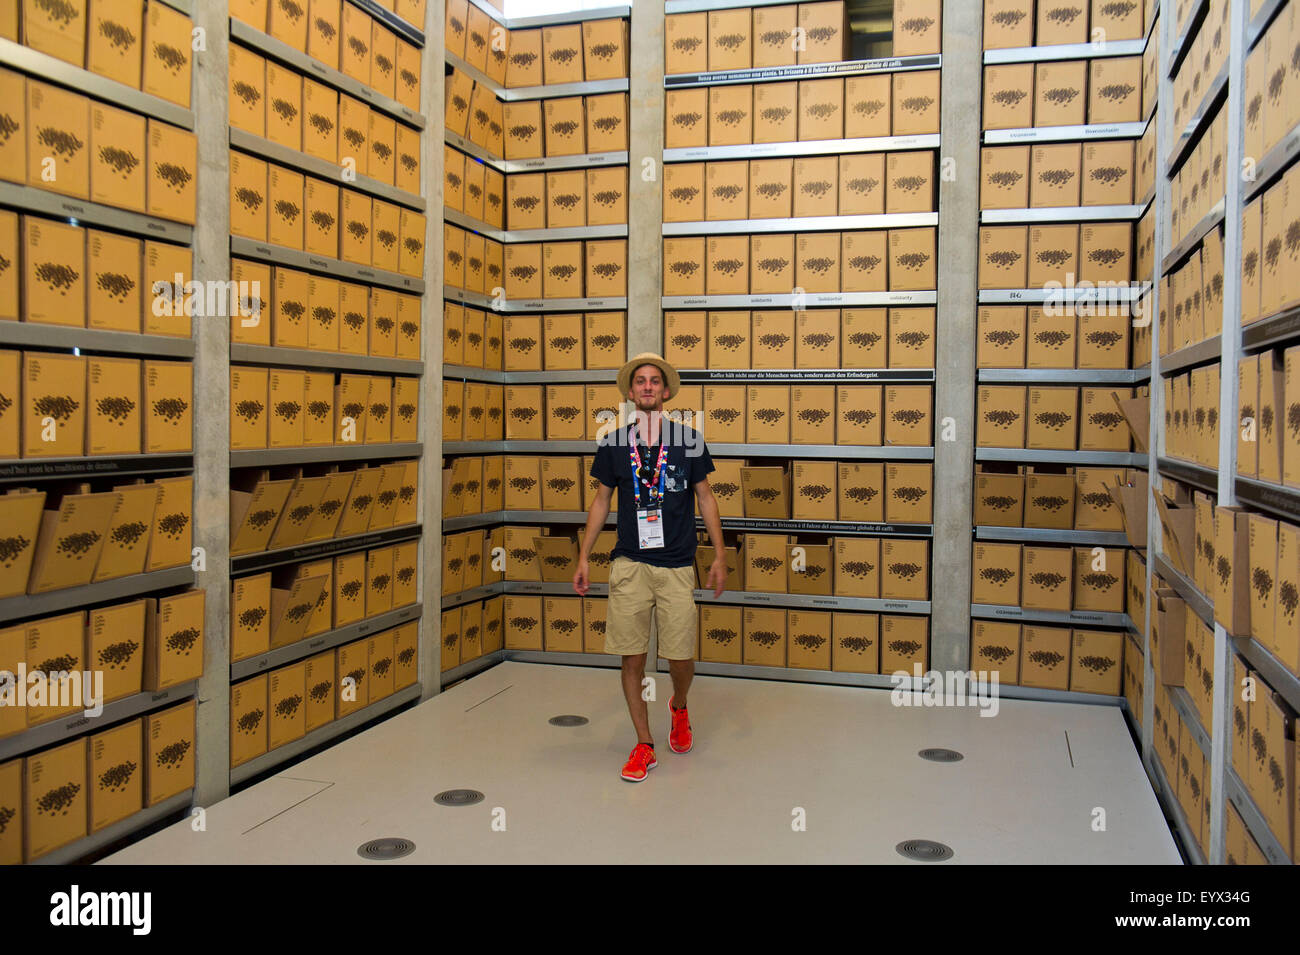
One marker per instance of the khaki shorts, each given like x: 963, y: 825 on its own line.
x: 634, y: 589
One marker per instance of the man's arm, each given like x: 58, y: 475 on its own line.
x: 595, y: 522
x: 709, y: 511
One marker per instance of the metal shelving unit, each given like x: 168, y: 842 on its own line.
x: 1189, y: 356
x: 1210, y: 102
x: 448, y: 601
x: 50, y: 69
x: 1193, y: 238
x: 34, y: 605
x: 337, y: 268
x: 1174, y: 811
x: 313, y: 166
x: 1187, y: 712
x: 564, y: 658
x: 1064, y: 376
x: 1274, y: 330
x: 898, y: 220
x: 310, y: 66
x: 84, y: 469
x: 514, y: 94
x: 391, y: 20
x: 1196, y: 601
x: 1048, y: 535
x: 337, y: 361
x: 1119, y: 459
x: 920, y: 376
x: 271, y: 457
x: 837, y: 528
x: 1082, y: 293
x: 77, y: 724
x: 264, y: 560
x: 471, y: 668
x: 813, y: 147
x: 45, y: 203
x: 1197, y: 475
x: 1056, y: 134
x: 283, y: 754
x: 455, y: 217
x: 1062, y: 214
x: 1182, y: 43
x: 94, y: 340
x: 1283, y: 502
x: 75, y: 851
x: 1014, y: 691
x: 752, y: 598
x: 537, y: 164
x: 556, y: 376
x: 1276, y: 674
x: 1267, y: 11
x: 808, y: 300
x: 310, y: 646
x: 1065, y: 618
x: 1256, y: 824
x: 806, y: 71
x: 1066, y: 51
x: 479, y: 300
x: 1273, y: 162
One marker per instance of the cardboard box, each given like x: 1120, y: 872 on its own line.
x: 1108, y: 174
x: 727, y: 265
x: 604, y: 49
x: 730, y: 116
x: 812, y: 414
x: 1263, y: 535
x: 1099, y: 579
x: 726, y: 485
x: 169, y: 752
x: 863, y: 337
x: 728, y: 339
x: 54, y: 798
x: 379, y: 655
x: 999, y: 499
x: 686, y: 46
x: 113, y: 397
x: 855, y: 639
x: 904, y: 644
x: 358, y: 228
x: 816, y: 186
x: 1003, y: 257
x: 1008, y: 23
x: 910, y: 182
x: 917, y: 27
x: 766, y: 492
x: 905, y: 569
x: 523, y: 268
x: 1053, y: 254
x: 1009, y: 96
x: 776, y: 110
x: 526, y: 207
x: 809, y: 639
x: 114, y: 787
x: 730, y: 44
x: 684, y: 192
x: 53, y: 646
x: 726, y: 190
x: 248, y: 196
x: 859, y: 413
x: 54, y: 273
x: 1101, y: 425
x: 167, y: 45
x: 523, y: 622
x: 995, y: 577
x: 821, y: 109
x: 1055, y: 175
x: 563, y: 624
x: 772, y: 262
x: 764, y: 637
x: 868, y: 106
x: 562, y: 270
x: 1004, y: 177
x: 1052, y: 338
x: 909, y: 493
x: 911, y: 337
x: 53, y: 401
x: 995, y: 649
x: 1047, y: 577
x: 130, y: 530
x: 117, y: 166
x: 606, y: 268
x: 770, y: 188
x: 1059, y: 92
x: 321, y: 222
x: 773, y: 342
x: 1286, y: 622
x: 1053, y: 418
x: 687, y: 118
x: 351, y: 667
x: 286, y: 710
x: 1115, y: 89
x: 1001, y: 337
x: 817, y: 264
x: 1105, y: 252
x: 1045, y: 657
x: 826, y: 32
x: 862, y: 493
x: 720, y: 629
x: 907, y: 415
x: 566, y: 126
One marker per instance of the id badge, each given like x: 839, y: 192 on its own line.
x: 650, y: 528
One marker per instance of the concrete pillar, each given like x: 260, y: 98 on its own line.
x: 211, y: 399
x: 645, y: 195
x: 959, y: 128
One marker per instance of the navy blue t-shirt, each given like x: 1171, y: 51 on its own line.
x: 688, y: 464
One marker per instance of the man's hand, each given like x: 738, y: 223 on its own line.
x: 718, y: 575
x: 580, y: 582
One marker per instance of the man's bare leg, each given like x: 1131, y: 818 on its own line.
x: 633, y: 675
x: 683, y: 673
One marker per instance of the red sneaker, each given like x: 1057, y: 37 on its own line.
x: 639, y: 763
x: 680, y: 739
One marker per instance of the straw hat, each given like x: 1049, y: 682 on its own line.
x: 647, y: 358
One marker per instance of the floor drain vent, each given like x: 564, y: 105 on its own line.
x: 922, y: 850
x: 936, y: 755
x: 568, y: 720
x: 458, y: 797
x: 384, y: 849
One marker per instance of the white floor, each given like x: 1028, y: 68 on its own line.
x: 846, y: 756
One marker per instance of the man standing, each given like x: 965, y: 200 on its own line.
x: 655, y: 463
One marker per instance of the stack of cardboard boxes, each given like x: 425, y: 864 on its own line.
x: 308, y: 507
x: 895, y: 260
x: 1095, y: 92
x: 860, y: 338
x: 55, y: 797
x: 1020, y: 23
x: 1057, y: 418
x: 288, y: 109
x: 1269, y: 280
x: 551, y: 342
x: 291, y: 408
x: 287, y: 703
x: 1268, y: 396
x: 478, y: 628
x: 346, y: 40
x: 1056, y: 497
x: 1057, y: 579
x: 1053, y: 658
x: 564, y: 199
x: 302, y: 601
x: 565, y: 53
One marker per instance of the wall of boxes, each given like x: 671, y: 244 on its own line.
x: 327, y: 220
x: 96, y: 422
x: 798, y: 296
x: 535, y: 188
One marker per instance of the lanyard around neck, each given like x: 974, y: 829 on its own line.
x: 656, y: 485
